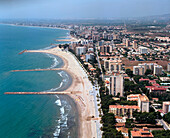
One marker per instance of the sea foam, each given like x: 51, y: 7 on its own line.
x: 63, y: 120
x: 55, y: 60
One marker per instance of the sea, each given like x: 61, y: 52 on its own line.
x: 34, y: 116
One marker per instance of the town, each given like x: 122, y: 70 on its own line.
x: 130, y: 64
x: 132, y: 69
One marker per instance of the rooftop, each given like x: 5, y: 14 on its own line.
x: 122, y: 129
x: 124, y: 106
x: 141, y: 133
x: 144, y: 98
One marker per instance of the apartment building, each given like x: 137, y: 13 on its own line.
x: 80, y: 50
x: 135, y: 44
x: 143, y: 101
x: 157, y: 70
x: 113, y: 65
x: 138, y: 70
x: 143, y: 50
x: 141, y: 133
x: 116, y: 85
x: 123, y: 110
x: 168, y: 67
x: 166, y: 107
x: 141, y: 68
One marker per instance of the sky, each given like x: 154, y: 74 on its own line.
x: 78, y: 9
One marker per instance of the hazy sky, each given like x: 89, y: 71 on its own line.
x: 82, y: 8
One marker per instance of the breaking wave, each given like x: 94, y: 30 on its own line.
x: 62, y: 121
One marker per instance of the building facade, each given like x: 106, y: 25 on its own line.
x: 141, y: 133
x: 168, y: 67
x: 138, y: 70
x: 135, y: 44
x: 143, y: 103
x: 113, y: 64
x: 142, y: 100
x: 127, y: 42
x: 166, y: 107
x: 141, y: 68
x: 116, y: 85
x: 143, y: 50
x: 80, y: 50
x: 157, y: 70
x: 123, y: 110
x: 89, y: 56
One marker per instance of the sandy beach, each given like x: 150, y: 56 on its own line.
x: 80, y: 83
x: 68, y: 39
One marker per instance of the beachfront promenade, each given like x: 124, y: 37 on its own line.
x: 79, y: 90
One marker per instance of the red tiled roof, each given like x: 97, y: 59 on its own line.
x: 133, y: 96
x: 161, y: 111
x: 155, y: 99
x: 155, y: 84
x: 124, y: 106
x: 119, y: 124
x: 152, y: 81
x: 141, y: 133
x: 155, y: 88
x: 143, y: 79
x: 107, y: 81
x: 159, y: 89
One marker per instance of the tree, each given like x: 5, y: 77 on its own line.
x: 148, y: 71
x: 161, y: 133
x: 166, y: 117
x: 128, y: 123
x: 129, y: 73
x: 145, y: 117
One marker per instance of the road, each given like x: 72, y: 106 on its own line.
x: 136, y: 83
x: 99, y: 65
x: 161, y: 121
x: 98, y: 124
x: 165, y: 126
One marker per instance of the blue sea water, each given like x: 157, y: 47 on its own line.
x: 29, y: 116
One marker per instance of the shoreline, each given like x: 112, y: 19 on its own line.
x: 80, y: 82
x: 73, y: 118
x: 84, y: 101
x: 35, y: 26
x: 67, y: 39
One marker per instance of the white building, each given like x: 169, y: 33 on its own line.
x: 143, y: 50
x: 135, y: 44
x: 166, y: 107
x: 168, y: 67
x: 80, y: 50
x: 127, y: 42
x: 141, y: 68
x: 157, y: 70
x: 90, y: 49
x: 138, y: 70
x: 89, y: 56
x: 84, y: 42
x: 116, y: 85
x: 143, y: 101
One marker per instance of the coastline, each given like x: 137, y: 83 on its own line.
x: 67, y: 39
x: 35, y: 26
x: 84, y: 101
x: 52, y: 115
x: 73, y: 118
x: 80, y: 82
